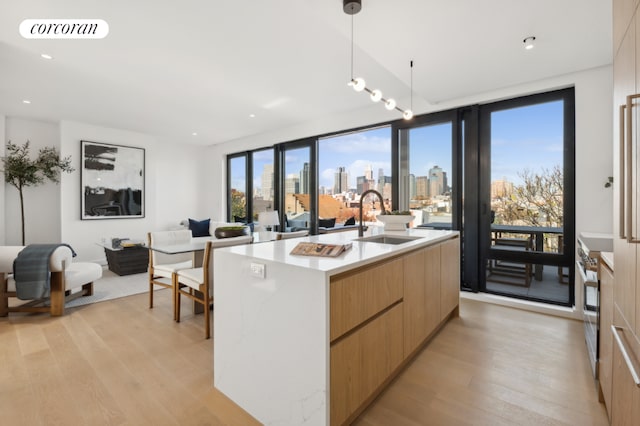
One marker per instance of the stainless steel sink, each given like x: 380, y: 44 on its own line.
x: 387, y: 239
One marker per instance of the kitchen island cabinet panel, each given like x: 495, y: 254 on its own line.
x: 421, y: 296
x: 313, y: 340
x: 363, y: 360
x: 450, y: 276
x: 356, y: 297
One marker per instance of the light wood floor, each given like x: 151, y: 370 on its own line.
x: 119, y: 363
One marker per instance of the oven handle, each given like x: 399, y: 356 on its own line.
x: 625, y: 355
x: 585, y: 279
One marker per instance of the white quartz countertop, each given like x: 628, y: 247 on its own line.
x: 361, y: 253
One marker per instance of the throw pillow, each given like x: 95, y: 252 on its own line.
x: 350, y: 221
x: 199, y: 228
x: 327, y: 223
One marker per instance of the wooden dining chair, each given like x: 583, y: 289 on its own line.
x: 196, y: 284
x: 162, y: 266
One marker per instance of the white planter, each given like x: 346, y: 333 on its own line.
x: 395, y: 222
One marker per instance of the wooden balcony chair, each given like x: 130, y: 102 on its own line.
x: 563, y: 278
x: 511, y: 269
x: 162, y: 266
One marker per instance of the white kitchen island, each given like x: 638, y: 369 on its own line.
x: 302, y: 340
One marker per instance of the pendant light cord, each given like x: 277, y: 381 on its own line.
x: 351, y: 47
x: 411, y: 65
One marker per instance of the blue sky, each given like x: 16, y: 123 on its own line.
x: 527, y: 137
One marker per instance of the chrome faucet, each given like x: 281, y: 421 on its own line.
x: 368, y: 191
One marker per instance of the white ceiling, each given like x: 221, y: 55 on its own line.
x: 171, y: 68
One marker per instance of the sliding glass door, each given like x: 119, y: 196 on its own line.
x: 526, y: 197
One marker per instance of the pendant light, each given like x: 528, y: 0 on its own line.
x: 351, y: 7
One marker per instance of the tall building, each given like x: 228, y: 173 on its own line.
x: 384, y: 184
x: 362, y: 184
x: 292, y: 184
x: 341, y: 181
x: 422, y: 186
x: 412, y: 186
x: 304, y: 179
x: 368, y: 172
x: 437, y: 181
x: 267, y: 182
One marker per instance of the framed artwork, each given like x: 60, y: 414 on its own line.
x: 112, y: 181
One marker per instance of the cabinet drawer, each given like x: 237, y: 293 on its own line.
x: 362, y: 362
x: 625, y: 394
x: 356, y: 297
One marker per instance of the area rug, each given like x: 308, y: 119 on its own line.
x: 112, y: 286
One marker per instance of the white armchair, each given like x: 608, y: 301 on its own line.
x: 68, y: 280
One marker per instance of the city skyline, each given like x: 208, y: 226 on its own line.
x: 527, y: 137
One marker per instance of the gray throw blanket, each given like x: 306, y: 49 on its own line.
x: 31, y: 270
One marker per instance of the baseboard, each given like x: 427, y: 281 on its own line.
x: 542, y: 308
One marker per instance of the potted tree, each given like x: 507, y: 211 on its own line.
x: 20, y: 171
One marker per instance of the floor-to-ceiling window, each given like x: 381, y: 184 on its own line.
x: 237, y: 186
x: 427, y: 171
x: 262, y: 182
x: 298, y: 197
x: 501, y: 173
x: 348, y: 165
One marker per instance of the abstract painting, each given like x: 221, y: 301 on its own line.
x: 112, y: 181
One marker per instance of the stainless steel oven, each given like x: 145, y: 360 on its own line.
x: 589, y: 247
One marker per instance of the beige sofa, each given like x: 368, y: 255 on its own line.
x: 68, y: 280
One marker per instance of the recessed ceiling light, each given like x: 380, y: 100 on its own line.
x: 26, y: 101
x: 252, y: 115
x: 194, y: 134
x: 46, y: 56
x: 528, y: 42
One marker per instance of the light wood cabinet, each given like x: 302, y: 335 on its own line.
x: 381, y: 315
x: 622, y: 12
x: 625, y: 395
x: 450, y: 276
x: 421, y: 296
x: 362, y: 361
x: 606, y: 339
x: 624, y: 311
x: 357, y: 296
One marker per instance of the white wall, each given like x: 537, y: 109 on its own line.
x: 41, y: 203
x: 594, y: 149
x: 3, y: 203
x: 172, y: 188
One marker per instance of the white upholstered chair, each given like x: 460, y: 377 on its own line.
x: 68, y: 280
x: 162, y: 266
x: 288, y: 235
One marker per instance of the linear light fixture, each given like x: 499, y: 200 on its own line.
x: 351, y: 7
